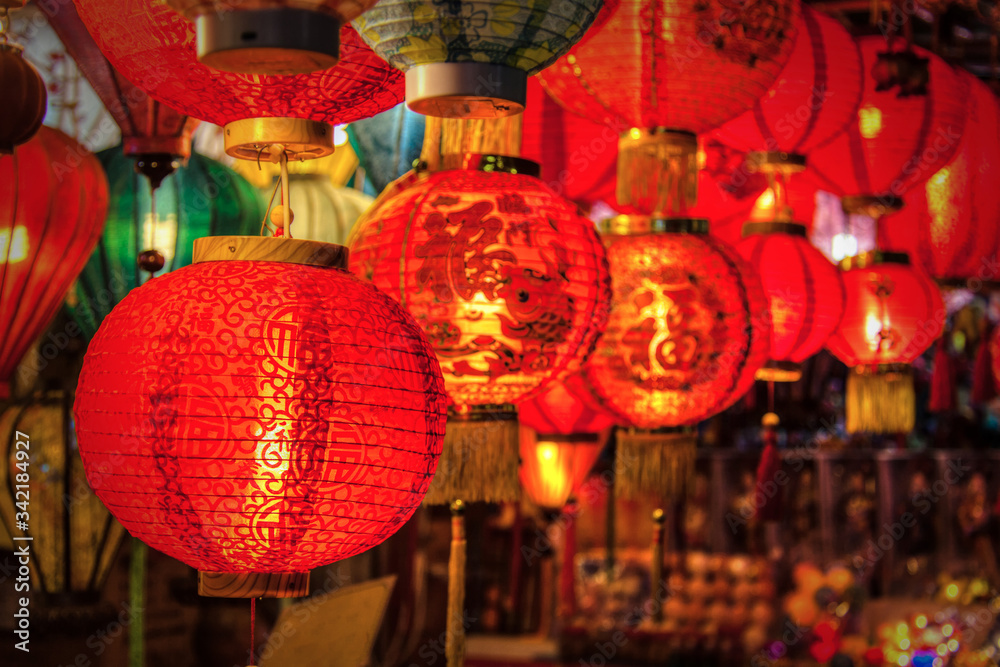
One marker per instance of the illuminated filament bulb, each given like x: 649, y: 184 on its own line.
x: 13, y: 247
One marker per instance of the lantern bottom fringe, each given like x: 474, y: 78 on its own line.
x: 253, y: 584
x: 652, y: 462
x: 479, y: 462
x: 883, y: 401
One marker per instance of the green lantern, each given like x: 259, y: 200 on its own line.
x: 201, y: 198
x: 472, y: 59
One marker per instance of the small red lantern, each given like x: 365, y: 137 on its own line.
x: 154, y: 47
x: 660, y: 72
x: 561, y: 438
x: 894, y: 312
x: 511, y: 286
x: 260, y: 413
x: 804, y: 290
x: 688, y: 330
x: 53, y: 199
x: 24, y: 108
x: 949, y: 224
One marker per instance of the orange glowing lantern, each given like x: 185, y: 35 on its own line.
x: 893, y: 313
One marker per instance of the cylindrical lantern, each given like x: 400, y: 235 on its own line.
x: 154, y: 47
x: 509, y: 283
x: 660, y: 72
x: 900, y: 136
x: 561, y: 438
x: 804, y: 291
x: 281, y: 37
x: 893, y: 313
x: 472, y: 59
x: 73, y: 538
x: 949, y: 224
x: 260, y: 413
x: 202, y: 198
x: 53, y: 199
x: 688, y: 330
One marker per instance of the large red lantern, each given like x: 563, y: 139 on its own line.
x: 154, y: 47
x: 903, y: 132
x: 688, y: 330
x: 949, y: 224
x: 561, y: 438
x: 510, y: 284
x: 658, y: 73
x: 892, y: 315
x: 53, y: 199
x: 260, y: 413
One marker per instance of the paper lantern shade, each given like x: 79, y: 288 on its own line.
x: 949, y: 224
x: 53, y: 200
x: 202, y: 198
x: 472, y: 59
x: 257, y: 418
x: 22, y: 113
x: 804, y: 291
x: 154, y: 47
x: 896, y: 141
x: 270, y: 36
x: 814, y: 98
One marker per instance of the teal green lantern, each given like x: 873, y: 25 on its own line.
x: 472, y: 59
x: 151, y: 232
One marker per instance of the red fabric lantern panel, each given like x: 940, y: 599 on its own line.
x: 893, y: 313
x: 814, y: 98
x: 949, y: 225
x: 509, y: 282
x: 700, y: 64
x: 249, y: 416
x: 153, y: 46
x: 804, y: 290
x: 53, y: 199
x: 895, y: 142
x: 565, y: 408
x: 147, y: 126
x: 689, y: 328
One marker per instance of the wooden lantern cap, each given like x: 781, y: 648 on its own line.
x: 270, y: 249
x: 253, y: 584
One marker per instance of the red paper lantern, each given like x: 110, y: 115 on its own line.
x: 658, y: 73
x: 804, y: 290
x: 949, y: 224
x: 154, y: 47
x: 813, y: 99
x: 53, y: 199
x: 898, y: 139
x: 893, y: 313
x: 561, y: 438
x: 24, y: 109
x: 509, y: 283
x: 258, y: 418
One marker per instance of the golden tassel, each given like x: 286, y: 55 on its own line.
x: 658, y: 171
x: 654, y: 462
x: 881, y: 400
x: 458, y: 136
x: 455, y: 636
x: 480, y: 457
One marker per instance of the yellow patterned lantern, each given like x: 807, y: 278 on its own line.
x: 473, y: 59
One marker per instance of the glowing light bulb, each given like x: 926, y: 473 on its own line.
x: 870, y: 121
x: 13, y: 248
x: 844, y: 245
x: 546, y: 451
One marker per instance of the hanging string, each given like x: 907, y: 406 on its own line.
x: 253, y: 617
x: 270, y: 203
x: 285, y: 203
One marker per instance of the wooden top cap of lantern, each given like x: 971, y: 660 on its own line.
x: 270, y: 249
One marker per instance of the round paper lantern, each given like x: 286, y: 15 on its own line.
x: 472, y: 59
x: 323, y: 211
x: 804, y: 291
x: 24, y: 108
x: 561, y: 438
x: 688, y: 330
x: 949, y: 224
x: 53, y: 199
x: 270, y: 36
x: 74, y: 540
x: 260, y: 413
x: 509, y: 283
x: 814, y: 98
x: 154, y: 46
x: 659, y: 72
x: 900, y: 136
x: 202, y: 198
x: 893, y: 313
